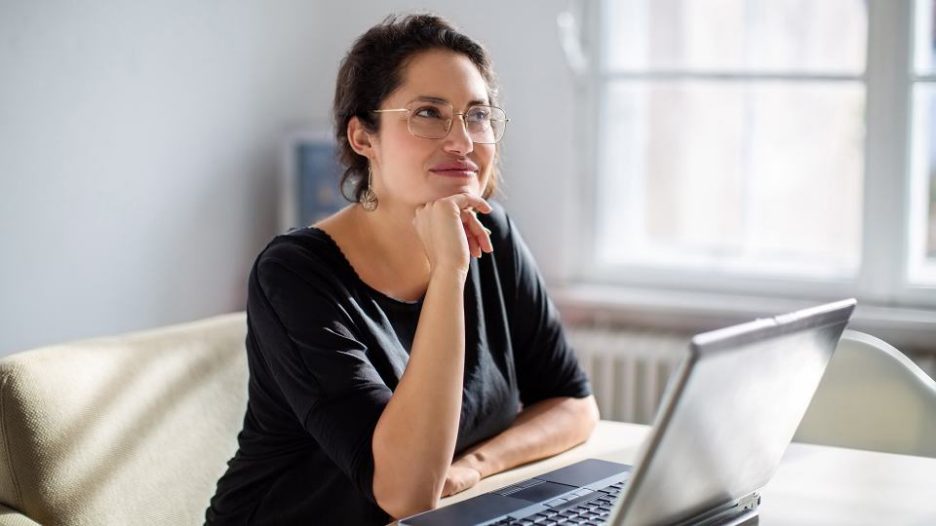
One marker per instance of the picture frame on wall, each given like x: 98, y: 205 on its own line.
x: 309, y: 174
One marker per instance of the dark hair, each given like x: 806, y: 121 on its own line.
x: 373, y: 69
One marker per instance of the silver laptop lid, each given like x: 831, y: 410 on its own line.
x: 729, y: 412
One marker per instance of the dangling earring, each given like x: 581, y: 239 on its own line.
x: 369, y: 198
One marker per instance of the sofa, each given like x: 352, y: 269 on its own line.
x: 132, y: 429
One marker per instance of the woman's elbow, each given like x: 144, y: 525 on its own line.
x: 400, y: 488
x: 402, y: 502
x: 402, y: 498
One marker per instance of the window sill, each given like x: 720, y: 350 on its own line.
x: 910, y: 330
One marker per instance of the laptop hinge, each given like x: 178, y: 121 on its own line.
x: 736, y: 513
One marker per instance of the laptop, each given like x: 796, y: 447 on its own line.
x: 728, y: 414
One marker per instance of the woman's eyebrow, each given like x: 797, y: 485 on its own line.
x: 440, y: 100
x: 427, y: 98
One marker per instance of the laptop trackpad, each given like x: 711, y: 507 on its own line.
x: 468, y: 512
x: 542, y: 492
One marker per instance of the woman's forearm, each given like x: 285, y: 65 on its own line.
x: 414, y: 439
x: 544, y: 429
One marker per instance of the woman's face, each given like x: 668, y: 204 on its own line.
x: 410, y: 170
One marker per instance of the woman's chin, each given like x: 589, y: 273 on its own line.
x: 450, y: 190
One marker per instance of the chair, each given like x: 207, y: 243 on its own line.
x: 872, y: 397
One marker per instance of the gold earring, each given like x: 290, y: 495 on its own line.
x: 369, y: 198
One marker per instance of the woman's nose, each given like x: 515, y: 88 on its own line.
x: 458, y: 140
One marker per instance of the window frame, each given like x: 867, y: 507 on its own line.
x: 881, y: 279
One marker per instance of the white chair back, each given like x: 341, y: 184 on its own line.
x: 872, y: 397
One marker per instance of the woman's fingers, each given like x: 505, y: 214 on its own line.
x: 439, y: 226
x: 474, y: 229
x: 437, y: 223
x: 472, y: 201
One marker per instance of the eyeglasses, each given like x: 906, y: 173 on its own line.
x: 433, y: 120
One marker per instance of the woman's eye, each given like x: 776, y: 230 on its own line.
x: 479, y: 115
x: 428, y: 112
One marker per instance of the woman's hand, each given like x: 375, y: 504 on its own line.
x: 459, y: 478
x: 450, y: 231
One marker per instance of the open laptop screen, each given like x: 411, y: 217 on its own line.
x: 730, y: 412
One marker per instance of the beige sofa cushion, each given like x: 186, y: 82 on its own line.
x: 133, y: 429
x: 9, y: 517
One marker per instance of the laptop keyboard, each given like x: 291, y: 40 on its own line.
x: 588, y: 510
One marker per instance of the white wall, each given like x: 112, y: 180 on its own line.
x: 138, y: 146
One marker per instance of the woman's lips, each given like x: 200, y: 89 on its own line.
x: 455, y: 169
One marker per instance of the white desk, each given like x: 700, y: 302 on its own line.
x: 815, y: 485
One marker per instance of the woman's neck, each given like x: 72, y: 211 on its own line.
x: 389, y: 235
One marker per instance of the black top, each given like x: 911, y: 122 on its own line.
x: 325, y: 352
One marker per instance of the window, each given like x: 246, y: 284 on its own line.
x: 923, y: 151
x: 766, y: 146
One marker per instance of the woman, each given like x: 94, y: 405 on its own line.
x: 390, y: 363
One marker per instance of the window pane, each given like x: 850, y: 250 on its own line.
x: 750, y: 176
x: 925, y: 17
x: 923, y: 189
x: 827, y: 36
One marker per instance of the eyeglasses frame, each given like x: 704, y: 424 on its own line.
x: 449, y: 126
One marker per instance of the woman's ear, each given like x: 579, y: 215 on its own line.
x: 359, y: 138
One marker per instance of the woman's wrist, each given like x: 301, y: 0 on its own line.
x: 453, y: 272
x: 477, y: 461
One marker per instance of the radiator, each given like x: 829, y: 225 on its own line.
x: 628, y: 369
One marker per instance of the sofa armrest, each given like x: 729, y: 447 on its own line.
x: 11, y: 517
x: 96, y: 431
